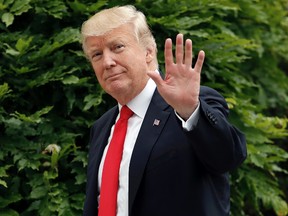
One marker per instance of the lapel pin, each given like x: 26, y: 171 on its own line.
x: 156, y: 122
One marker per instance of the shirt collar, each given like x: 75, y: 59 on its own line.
x: 140, y: 103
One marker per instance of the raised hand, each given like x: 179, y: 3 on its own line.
x: 181, y: 85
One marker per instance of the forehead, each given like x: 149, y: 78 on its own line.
x: 123, y: 33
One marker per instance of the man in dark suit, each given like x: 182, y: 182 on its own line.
x: 179, y: 145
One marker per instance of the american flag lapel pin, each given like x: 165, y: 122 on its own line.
x: 156, y: 122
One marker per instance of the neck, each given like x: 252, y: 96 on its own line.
x: 124, y: 98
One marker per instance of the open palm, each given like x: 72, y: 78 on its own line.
x: 181, y: 85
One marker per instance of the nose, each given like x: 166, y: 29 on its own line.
x: 108, y: 60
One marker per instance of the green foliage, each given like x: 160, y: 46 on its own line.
x: 49, y: 95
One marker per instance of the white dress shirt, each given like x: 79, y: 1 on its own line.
x: 139, y: 106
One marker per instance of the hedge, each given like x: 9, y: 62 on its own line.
x: 50, y: 97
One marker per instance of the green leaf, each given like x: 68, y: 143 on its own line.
x: 9, y: 212
x: 20, y: 6
x: 7, y: 18
x: 4, y: 91
x: 50, y: 175
x: 11, y: 51
x: 5, y: 4
x: 280, y: 206
x: 70, y: 80
x: 92, y: 100
x: 55, y: 8
x: 22, y: 45
x: 9, y: 199
x: 266, y: 190
x: 3, y: 170
x: 34, y: 118
x: 38, y: 192
x: 3, y: 183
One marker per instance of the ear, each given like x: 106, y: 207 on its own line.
x: 150, y: 54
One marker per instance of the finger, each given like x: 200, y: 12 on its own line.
x: 168, y: 52
x: 188, y: 53
x: 156, y: 77
x: 179, y: 49
x: 200, y: 61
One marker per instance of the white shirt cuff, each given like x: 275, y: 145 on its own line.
x: 191, y: 121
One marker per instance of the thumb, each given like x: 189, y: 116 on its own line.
x: 155, y: 76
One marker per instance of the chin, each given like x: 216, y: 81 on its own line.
x: 119, y: 90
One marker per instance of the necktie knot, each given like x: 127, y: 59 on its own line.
x: 125, y: 113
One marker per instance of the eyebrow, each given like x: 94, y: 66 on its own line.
x: 111, y: 42
x: 116, y: 40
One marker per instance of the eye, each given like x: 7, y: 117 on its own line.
x: 96, y: 55
x: 118, y: 47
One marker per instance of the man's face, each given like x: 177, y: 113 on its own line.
x: 119, y: 62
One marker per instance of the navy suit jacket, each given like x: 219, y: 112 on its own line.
x: 174, y: 172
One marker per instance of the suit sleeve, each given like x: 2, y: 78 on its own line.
x: 219, y: 145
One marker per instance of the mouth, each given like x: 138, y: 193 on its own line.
x: 113, y: 76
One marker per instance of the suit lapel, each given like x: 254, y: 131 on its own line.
x: 151, y: 128
x: 99, y: 146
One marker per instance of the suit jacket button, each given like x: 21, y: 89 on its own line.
x: 208, y: 113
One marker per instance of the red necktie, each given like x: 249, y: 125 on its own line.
x: 110, y: 174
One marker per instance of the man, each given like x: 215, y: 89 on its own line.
x: 179, y: 145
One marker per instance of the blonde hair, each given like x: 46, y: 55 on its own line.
x: 109, y: 19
